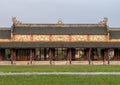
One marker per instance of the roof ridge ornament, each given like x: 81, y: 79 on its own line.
x: 15, y: 21
x: 104, y: 21
x: 59, y: 21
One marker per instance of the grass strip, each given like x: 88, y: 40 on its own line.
x: 60, y: 80
x: 63, y: 68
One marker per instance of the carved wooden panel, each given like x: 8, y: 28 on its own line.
x: 60, y: 38
x: 97, y: 38
x: 41, y: 37
x: 22, y: 37
x: 79, y: 37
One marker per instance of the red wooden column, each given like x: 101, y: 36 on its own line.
x: 118, y: 54
x: 45, y: 54
x: 12, y: 54
x: 102, y: 55
x: 31, y: 54
x: 106, y: 55
x: 86, y: 54
x: 73, y: 51
x: 115, y: 54
x: 53, y: 53
x: 69, y: 55
x: 89, y: 55
x: 0, y: 54
x: 57, y: 55
x: 39, y: 54
x: 50, y: 55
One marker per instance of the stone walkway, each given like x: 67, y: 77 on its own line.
x: 59, y: 73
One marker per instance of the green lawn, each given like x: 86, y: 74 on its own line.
x: 63, y: 68
x: 60, y: 80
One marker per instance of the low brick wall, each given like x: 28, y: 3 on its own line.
x: 80, y: 63
x: 99, y: 62
x: 114, y: 62
x: 40, y: 62
x: 59, y: 63
x: 21, y: 63
x: 5, y: 62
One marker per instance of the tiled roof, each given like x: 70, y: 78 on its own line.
x: 60, y: 30
x: 114, y: 34
x: 59, y: 44
x: 5, y: 33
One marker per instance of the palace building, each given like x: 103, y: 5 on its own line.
x: 59, y: 44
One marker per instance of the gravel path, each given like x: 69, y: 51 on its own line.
x: 59, y: 73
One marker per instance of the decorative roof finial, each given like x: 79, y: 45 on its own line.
x: 15, y: 21
x: 59, y: 21
x: 104, y: 21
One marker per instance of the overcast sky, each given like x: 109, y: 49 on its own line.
x: 70, y: 11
